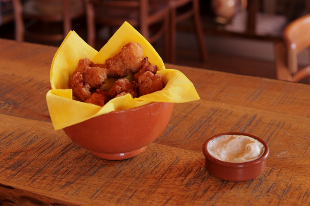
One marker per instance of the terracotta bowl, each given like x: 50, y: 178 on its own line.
x: 122, y: 134
x: 235, y: 171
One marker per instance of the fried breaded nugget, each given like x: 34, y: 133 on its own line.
x: 126, y: 61
x: 149, y: 82
x: 146, y: 66
x: 79, y: 88
x: 132, y: 54
x: 98, y: 98
x: 116, y: 67
x: 123, y: 85
x: 95, y: 76
x: 83, y: 63
x: 85, y: 78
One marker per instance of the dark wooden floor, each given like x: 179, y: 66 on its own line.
x: 190, y: 58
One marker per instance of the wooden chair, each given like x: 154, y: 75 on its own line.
x: 141, y: 14
x: 296, y: 38
x: 6, y: 12
x: 45, y: 12
x: 175, y: 17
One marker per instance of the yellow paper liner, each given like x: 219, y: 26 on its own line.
x: 65, y: 111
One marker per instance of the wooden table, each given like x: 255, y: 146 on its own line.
x: 40, y: 166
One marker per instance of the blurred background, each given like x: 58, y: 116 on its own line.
x: 239, y: 35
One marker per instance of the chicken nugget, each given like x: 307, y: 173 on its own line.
x: 95, y: 76
x: 116, y: 67
x: 146, y: 66
x: 126, y: 61
x: 83, y: 63
x: 123, y: 85
x: 78, y: 86
x: 132, y: 55
x: 85, y: 78
x: 149, y: 83
x: 98, y: 98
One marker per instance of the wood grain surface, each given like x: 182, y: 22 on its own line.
x: 40, y: 166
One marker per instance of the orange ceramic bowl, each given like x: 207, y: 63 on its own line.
x: 122, y: 134
x: 235, y: 171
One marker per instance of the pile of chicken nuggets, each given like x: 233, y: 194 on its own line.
x: 87, y: 79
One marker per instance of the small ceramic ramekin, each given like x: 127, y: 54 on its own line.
x: 241, y: 171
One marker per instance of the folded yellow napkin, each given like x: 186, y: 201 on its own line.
x: 65, y: 111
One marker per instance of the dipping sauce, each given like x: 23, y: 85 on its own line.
x: 235, y: 148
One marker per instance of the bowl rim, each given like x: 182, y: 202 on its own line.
x: 262, y: 158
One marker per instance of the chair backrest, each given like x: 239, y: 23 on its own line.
x: 46, y: 11
x: 139, y: 13
x: 114, y: 13
x: 297, y: 37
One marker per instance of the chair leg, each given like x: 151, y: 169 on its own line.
x: 144, y: 21
x: 66, y: 18
x: 166, y: 38
x: 280, y: 53
x: 19, y: 23
x: 172, y: 33
x: 90, y: 16
x: 199, y: 32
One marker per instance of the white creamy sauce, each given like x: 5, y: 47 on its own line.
x: 235, y: 148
